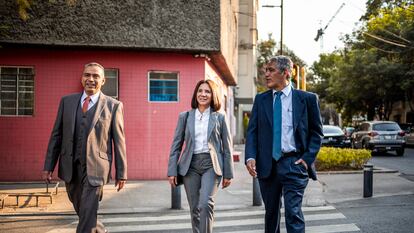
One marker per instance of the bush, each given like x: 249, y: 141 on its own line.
x: 333, y: 159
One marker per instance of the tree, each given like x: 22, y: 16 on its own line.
x: 265, y: 50
x: 375, y: 69
x: 391, y: 32
x: 323, y: 70
x: 374, y: 6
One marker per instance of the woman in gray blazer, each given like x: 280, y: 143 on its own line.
x: 206, y: 159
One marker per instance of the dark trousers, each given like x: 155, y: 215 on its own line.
x: 290, y: 180
x: 85, y: 199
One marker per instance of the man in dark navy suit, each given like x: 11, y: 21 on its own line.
x: 283, y: 139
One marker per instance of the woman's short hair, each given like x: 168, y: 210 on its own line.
x: 215, y: 99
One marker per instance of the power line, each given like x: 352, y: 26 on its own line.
x: 395, y: 35
x: 356, y: 7
x: 385, y: 40
x: 380, y: 49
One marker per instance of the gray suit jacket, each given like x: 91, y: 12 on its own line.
x: 219, y: 144
x: 107, y: 128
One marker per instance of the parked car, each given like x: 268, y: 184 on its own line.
x: 348, y: 131
x: 334, y: 136
x: 409, y: 133
x: 379, y: 136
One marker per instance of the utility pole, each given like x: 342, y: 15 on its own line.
x: 281, y: 23
x: 281, y: 27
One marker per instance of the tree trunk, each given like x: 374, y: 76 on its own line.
x: 371, y: 112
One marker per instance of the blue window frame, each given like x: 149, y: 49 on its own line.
x: 163, y: 86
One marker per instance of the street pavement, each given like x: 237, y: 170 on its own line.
x: 251, y: 219
x: 145, y: 206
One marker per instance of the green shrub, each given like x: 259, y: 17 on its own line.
x: 333, y: 159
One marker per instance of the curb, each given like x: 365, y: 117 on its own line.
x: 376, y: 170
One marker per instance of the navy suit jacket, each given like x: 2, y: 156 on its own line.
x: 307, y: 130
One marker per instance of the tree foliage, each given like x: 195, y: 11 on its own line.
x: 375, y: 70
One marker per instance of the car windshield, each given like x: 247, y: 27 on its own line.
x: 349, y: 129
x: 386, y: 127
x: 332, y: 130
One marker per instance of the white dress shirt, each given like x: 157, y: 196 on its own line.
x: 288, y: 139
x: 201, y: 127
x: 92, y: 102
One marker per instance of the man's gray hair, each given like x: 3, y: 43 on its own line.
x: 94, y: 64
x: 282, y: 63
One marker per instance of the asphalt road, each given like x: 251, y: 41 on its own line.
x: 385, y: 214
x: 322, y: 219
x: 403, y: 164
x: 394, y: 214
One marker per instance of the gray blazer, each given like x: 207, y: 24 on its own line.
x: 219, y: 144
x: 107, y: 128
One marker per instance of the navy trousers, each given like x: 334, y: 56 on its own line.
x: 290, y: 180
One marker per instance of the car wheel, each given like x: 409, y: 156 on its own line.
x: 400, y: 152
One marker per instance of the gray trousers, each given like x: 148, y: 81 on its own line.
x: 85, y: 199
x: 201, y: 185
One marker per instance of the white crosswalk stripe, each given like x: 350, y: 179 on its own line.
x: 314, y: 229
x: 217, y: 215
x: 323, y: 219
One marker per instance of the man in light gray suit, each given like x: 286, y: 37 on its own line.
x: 86, y: 127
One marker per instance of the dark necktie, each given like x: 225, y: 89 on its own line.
x: 86, y: 104
x: 277, y: 127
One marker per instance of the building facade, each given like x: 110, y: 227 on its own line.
x: 403, y: 112
x: 245, y: 90
x: 154, y: 52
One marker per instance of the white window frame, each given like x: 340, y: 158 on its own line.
x: 117, y: 82
x: 17, y: 90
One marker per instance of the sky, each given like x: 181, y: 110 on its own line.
x: 302, y: 19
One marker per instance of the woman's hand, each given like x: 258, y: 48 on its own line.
x: 226, y: 183
x: 172, y: 180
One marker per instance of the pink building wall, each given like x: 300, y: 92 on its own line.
x: 149, y: 126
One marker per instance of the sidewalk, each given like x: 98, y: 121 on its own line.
x: 155, y: 196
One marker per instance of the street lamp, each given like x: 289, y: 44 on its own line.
x: 281, y: 23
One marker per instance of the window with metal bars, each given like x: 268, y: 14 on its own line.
x: 16, y: 91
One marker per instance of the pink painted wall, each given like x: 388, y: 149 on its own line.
x: 149, y: 126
